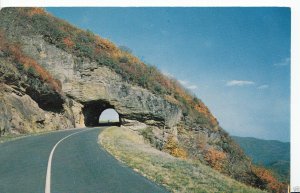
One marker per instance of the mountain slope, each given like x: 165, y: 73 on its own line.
x: 44, y: 59
x: 270, y: 153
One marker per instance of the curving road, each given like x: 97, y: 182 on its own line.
x: 78, y: 165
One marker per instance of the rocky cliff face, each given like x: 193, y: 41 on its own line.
x: 88, y: 90
x: 20, y: 112
x: 68, y: 88
x: 98, y: 88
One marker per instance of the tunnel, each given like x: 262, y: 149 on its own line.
x: 92, y: 112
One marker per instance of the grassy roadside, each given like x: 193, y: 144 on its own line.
x: 12, y: 137
x: 175, y: 174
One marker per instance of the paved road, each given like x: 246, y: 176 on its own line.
x: 78, y: 166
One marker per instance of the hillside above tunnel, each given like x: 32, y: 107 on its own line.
x: 55, y: 76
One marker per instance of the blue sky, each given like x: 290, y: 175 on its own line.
x: 236, y: 60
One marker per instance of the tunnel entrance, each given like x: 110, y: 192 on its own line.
x: 109, y: 117
x: 100, y: 113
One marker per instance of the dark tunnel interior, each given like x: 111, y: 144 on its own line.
x: 92, y: 111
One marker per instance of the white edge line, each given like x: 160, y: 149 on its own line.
x: 48, y: 175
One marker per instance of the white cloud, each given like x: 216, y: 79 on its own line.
x: 184, y: 82
x: 283, y: 62
x: 168, y: 74
x: 264, y: 86
x: 239, y: 83
x: 192, y: 87
x: 188, y: 85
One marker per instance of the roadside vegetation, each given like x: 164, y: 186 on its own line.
x: 176, y: 174
x: 14, y: 136
x: 11, y: 137
x: 88, y: 46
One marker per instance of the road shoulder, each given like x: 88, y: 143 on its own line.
x: 177, y: 175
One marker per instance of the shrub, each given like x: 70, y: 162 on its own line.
x: 20, y: 67
x: 267, y: 180
x: 35, y: 11
x: 148, y: 135
x: 83, y: 38
x: 31, y: 71
x: 84, y: 51
x: 86, y: 44
x: 157, y: 88
x: 215, y: 158
x: 173, y: 148
x: 68, y: 42
x: 143, y: 80
x: 123, y: 59
x: 125, y: 49
x: 201, y: 120
x: 48, y: 28
x: 201, y: 140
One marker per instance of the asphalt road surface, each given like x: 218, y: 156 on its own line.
x: 78, y: 165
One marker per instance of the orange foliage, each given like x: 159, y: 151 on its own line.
x: 174, y: 149
x: 198, y: 106
x: 164, y: 81
x: 201, y: 108
x: 68, y: 42
x: 215, y: 158
x: 35, y: 10
x: 17, y: 55
x: 105, y: 44
x: 136, y: 70
x: 182, y: 93
x: 171, y: 99
x: 268, y: 179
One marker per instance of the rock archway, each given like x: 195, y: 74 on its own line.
x: 92, y: 111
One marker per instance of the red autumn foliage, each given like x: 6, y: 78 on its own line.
x: 36, y: 10
x: 135, y: 70
x: 68, y: 42
x: 215, y: 158
x: 269, y: 182
x: 16, y: 54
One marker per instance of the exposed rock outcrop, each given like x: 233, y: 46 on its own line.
x: 98, y: 87
x: 19, y: 113
x: 49, y: 81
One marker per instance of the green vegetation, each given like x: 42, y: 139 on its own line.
x: 272, y: 154
x: 10, y: 137
x: 31, y: 71
x: 88, y: 46
x: 13, y: 136
x: 148, y: 135
x: 177, y: 175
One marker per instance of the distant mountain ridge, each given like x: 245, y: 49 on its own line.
x: 273, y: 154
